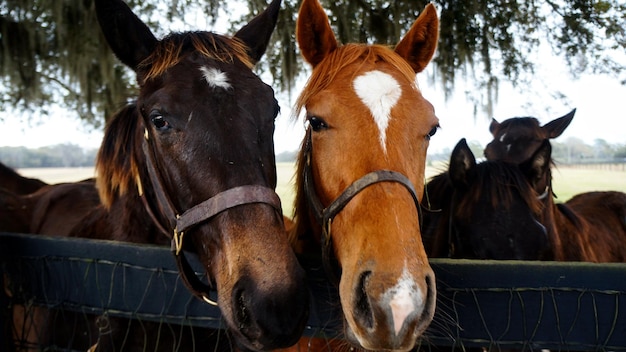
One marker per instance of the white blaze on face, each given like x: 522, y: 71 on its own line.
x: 404, y: 298
x: 215, y: 78
x: 380, y: 92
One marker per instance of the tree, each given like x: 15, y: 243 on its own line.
x: 602, y: 150
x: 573, y: 150
x: 620, y: 152
x: 52, y: 52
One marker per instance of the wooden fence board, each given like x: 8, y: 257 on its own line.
x: 504, y: 304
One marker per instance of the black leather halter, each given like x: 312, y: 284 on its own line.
x: 325, y: 215
x: 179, y: 223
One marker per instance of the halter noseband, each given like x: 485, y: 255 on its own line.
x: 199, y: 213
x: 325, y: 215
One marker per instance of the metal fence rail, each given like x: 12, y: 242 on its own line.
x: 493, y: 304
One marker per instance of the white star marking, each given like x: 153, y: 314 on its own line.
x: 380, y: 92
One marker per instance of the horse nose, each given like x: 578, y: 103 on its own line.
x: 400, y: 312
x: 270, y: 319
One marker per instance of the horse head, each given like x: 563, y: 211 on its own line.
x: 198, y: 148
x: 516, y: 139
x: 495, y: 208
x: 368, y: 129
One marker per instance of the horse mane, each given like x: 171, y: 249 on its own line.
x: 117, y: 163
x: 569, y: 214
x: 169, y: 51
x: 500, y: 178
x: 326, y: 71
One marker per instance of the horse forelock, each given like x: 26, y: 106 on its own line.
x: 171, y: 49
x: 117, y: 161
x: 326, y: 71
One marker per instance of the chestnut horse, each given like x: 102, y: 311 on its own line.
x: 516, y: 139
x: 368, y: 128
x: 191, y: 163
x: 500, y: 210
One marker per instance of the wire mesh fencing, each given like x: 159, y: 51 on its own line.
x: 68, y: 294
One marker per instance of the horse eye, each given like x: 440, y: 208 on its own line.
x: 317, y: 124
x: 432, y: 132
x: 160, y: 123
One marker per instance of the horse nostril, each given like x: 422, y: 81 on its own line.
x: 431, y: 295
x: 362, y: 308
x: 241, y: 310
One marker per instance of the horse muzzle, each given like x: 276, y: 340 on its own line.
x: 380, y: 316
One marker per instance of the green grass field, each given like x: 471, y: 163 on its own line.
x: 567, y: 181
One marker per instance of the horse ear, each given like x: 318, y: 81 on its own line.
x: 419, y: 44
x: 494, y: 126
x: 257, y: 33
x: 556, y: 127
x: 538, y: 166
x: 129, y: 38
x: 313, y: 32
x: 462, y: 161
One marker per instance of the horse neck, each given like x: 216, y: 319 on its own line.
x: 139, y: 209
x: 551, y: 219
x: 131, y: 221
x: 574, y: 234
x: 567, y: 233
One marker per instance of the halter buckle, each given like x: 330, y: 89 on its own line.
x: 178, y: 240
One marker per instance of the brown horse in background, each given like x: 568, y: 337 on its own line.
x: 483, y: 211
x: 16, y: 183
x: 603, y: 212
x: 368, y: 128
x: 500, y: 210
x: 194, y: 156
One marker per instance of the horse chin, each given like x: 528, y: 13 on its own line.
x: 262, y: 320
x: 264, y: 306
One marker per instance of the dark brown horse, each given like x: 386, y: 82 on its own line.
x: 365, y: 148
x: 16, y: 183
x: 192, y: 163
x: 516, y: 139
x: 500, y: 210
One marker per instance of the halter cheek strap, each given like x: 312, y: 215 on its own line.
x: 325, y: 215
x: 196, y: 215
